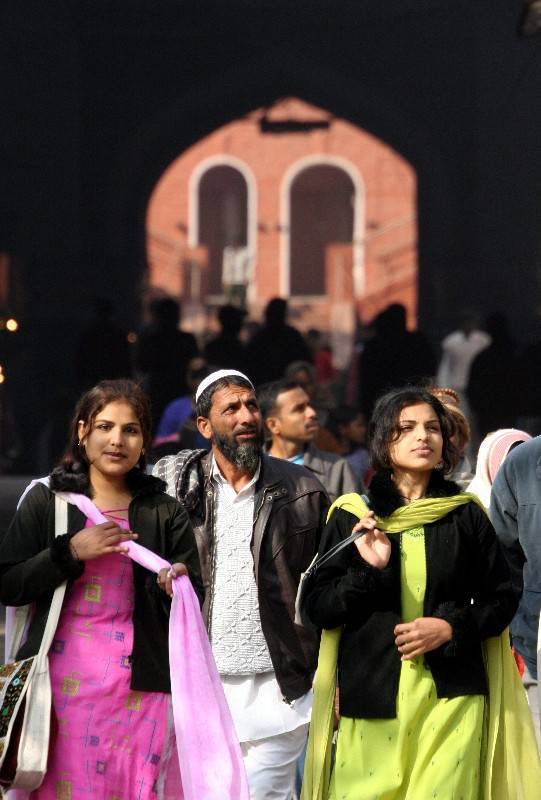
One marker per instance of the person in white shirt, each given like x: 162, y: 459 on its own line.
x: 257, y: 522
x: 459, y: 348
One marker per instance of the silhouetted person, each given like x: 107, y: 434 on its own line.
x: 492, y: 387
x: 226, y: 350
x: 163, y: 354
x: 393, y: 357
x: 177, y: 427
x: 275, y: 345
x: 103, y: 352
x: 459, y: 348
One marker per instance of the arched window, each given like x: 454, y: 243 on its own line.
x: 222, y: 217
x: 322, y: 200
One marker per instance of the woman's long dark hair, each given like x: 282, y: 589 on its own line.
x: 72, y: 472
x: 384, y: 428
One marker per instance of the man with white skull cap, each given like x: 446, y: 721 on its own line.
x: 257, y: 522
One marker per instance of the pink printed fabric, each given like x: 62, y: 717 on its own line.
x: 112, y: 742
x: 209, y: 754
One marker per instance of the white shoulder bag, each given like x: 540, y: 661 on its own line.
x: 25, y: 695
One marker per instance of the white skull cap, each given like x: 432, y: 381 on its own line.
x: 218, y: 375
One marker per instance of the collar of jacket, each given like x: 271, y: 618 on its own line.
x: 385, y: 498
x: 270, y: 476
x: 194, y: 475
x: 139, y: 483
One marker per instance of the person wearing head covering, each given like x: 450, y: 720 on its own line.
x: 493, y: 450
x: 257, y: 522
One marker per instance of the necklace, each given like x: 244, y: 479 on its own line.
x: 411, y: 499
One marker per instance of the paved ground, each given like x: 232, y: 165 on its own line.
x: 11, y: 488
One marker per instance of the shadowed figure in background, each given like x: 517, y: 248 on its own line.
x: 226, y: 350
x: 458, y: 349
x: 163, y: 355
x: 275, y: 345
x: 103, y: 351
x: 492, y: 386
x: 393, y: 357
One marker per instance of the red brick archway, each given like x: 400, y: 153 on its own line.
x: 345, y: 173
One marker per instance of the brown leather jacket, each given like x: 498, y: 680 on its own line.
x: 289, y: 516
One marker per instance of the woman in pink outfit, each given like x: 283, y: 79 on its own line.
x: 109, y: 660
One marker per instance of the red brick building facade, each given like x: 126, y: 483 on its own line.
x: 314, y: 208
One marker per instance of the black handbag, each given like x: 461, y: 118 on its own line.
x: 307, y: 578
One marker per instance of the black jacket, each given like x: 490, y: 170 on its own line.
x: 289, y: 514
x: 464, y: 562
x: 33, y: 563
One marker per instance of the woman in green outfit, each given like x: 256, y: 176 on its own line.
x: 414, y: 603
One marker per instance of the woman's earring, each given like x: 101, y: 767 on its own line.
x: 142, y: 451
x: 439, y: 465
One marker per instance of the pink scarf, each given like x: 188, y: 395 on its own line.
x: 209, y: 753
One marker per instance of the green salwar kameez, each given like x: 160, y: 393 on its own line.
x: 432, y: 749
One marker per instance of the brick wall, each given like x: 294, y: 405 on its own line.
x: 385, y: 238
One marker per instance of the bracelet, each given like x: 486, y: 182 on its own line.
x: 73, y: 551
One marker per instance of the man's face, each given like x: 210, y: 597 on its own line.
x: 234, y: 426
x: 294, y: 419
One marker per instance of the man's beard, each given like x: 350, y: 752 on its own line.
x: 244, y: 456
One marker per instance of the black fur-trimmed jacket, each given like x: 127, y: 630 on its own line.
x: 464, y: 562
x: 33, y: 563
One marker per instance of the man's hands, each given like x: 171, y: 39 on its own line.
x: 100, y: 540
x: 421, y: 636
x: 166, y: 577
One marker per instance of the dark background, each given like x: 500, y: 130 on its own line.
x: 98, y: 96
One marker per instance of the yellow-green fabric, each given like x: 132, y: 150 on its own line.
x: 511, y: 769
x: 432, y: 748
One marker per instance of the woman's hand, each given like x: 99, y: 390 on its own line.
x: 166, y: 577
x: 374, y: 546
x: 421, y: 636
x: 100, y: 540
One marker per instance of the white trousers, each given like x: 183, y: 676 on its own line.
x: 270, y: 764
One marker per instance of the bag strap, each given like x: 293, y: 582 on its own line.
x: 319, y: 562
x: 21, y: 615
x: 60, y: 528
x: 334, y: 550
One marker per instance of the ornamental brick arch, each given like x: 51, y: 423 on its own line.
x: 305, y: 173
x: 352, y: 231
x: 233, y: 96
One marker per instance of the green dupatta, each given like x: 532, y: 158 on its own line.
x: 511, y: 766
